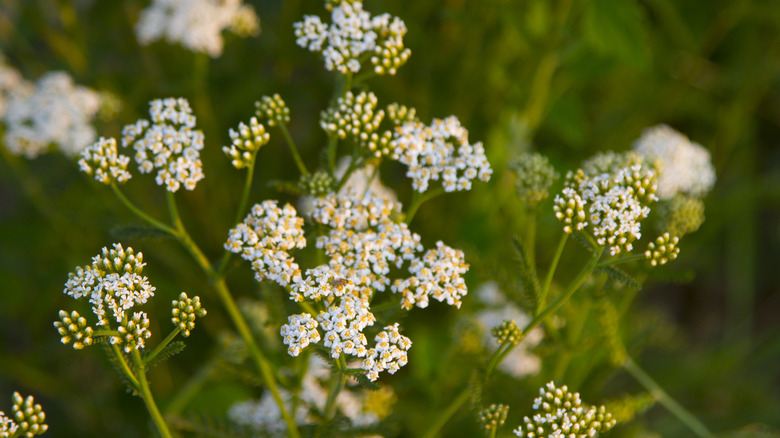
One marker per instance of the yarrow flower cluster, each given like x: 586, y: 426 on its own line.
x: 440, y: 151
x: 562, y: 414
x: 684, y: 166
x: 184, y: 310
x: 607, y: 199
x: 356, y: 116
x: 662, y: 250
x: 196, y: 24
x: 363, y: 243
x: 103, y: 160
x: 169, y: 143
x: 264, y: 239
x: 246, y: 141
x: 53, y: 111
x: 27, y: 421
x: 273, y: 110
x: 353, y: 36
x: 114, y: 286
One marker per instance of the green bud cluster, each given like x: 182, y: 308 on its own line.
x: 562, y: 413
x: 317, y: 184
x: 400, y: 114
x: 662, y: 250
x: 534, y: 175
x: 119, y: 260
x: 570, y: 209
x: 494, y: 416
x: 681, y: 215
x: 73, y: 329
x: 507, y: 332
x: 356, y: 117
x: 28, y: 416
x: 245, y: 143
x: 184, y: 311
x: 273, y: 109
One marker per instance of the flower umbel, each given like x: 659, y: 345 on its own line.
x: 493, y: 416
x: 354, y: 36
x: 273, y: 109
x: 103, y: 160
x: 245, y: 143
x: 535, y: 175
x: 562, y: 413
x: 74, y: 330
x: 169, y: 143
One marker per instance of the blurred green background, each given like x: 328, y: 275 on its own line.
x: 565, y: 77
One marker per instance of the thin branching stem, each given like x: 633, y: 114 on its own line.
x: 148, y: 359
x: 125, y: 367
x: 504, y: 349
x: 140, y: 213
x: 250, y: 171
x: 551, y: 272
x: 666, y: 400
x: 146, y: 394
x: 417, y: 201
x: 293, y: 149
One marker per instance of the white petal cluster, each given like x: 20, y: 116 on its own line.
x: 437, y: 275
x: 440, y: 151
x: 264, y: 239
x: 53, y: 111
x: 245, y: 142
x: 195, y: 24
x: 107, y: 287
x: 169, y: 143
x: 299, y: 332
x: 352, y: 212
x: 389, y: 354
x: 610, y: 205
x: 343, y: 324
x: 103, y: 160
x: 7, y: 426
x: 352, y: 36
x: 684, y: 166
x: 112, y: 283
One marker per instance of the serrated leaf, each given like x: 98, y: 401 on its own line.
x: 363, y: 381
x: 582, y: 240
x: 527, y: 274
x: 122, y: 232
x: 170, y: 350
x: 621, y: 276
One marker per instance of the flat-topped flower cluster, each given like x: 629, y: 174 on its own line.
x: 364, y: 241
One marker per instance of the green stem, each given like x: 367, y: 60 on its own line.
x: 235, y: 314
x: 620, y: 260
x: 293, y: 149
x: 353, y: 164
x: 418, y: 199
x: 138, y: 212
x: 146, y: 394
x: 665, y: 399
x: 370, y: 180
x: 161, y: 345
x: 191, y: 388
x: 530, y: 238
x: 339, y: 380
x: 333, y: 141
x: 125, y: 367
x: 250, y: 171
x: 502, y: 351
x: 254, y: 351
x: 551, y: 272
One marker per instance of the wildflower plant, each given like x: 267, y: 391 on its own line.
x: 341, y: 270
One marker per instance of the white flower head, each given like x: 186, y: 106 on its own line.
x: 53, y: 111
x: 168, y: 144
x: 196, y: 24
x: 103, y: 160
x: 354, y: 35
x: 684, y: 166
x: 440, y: 151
